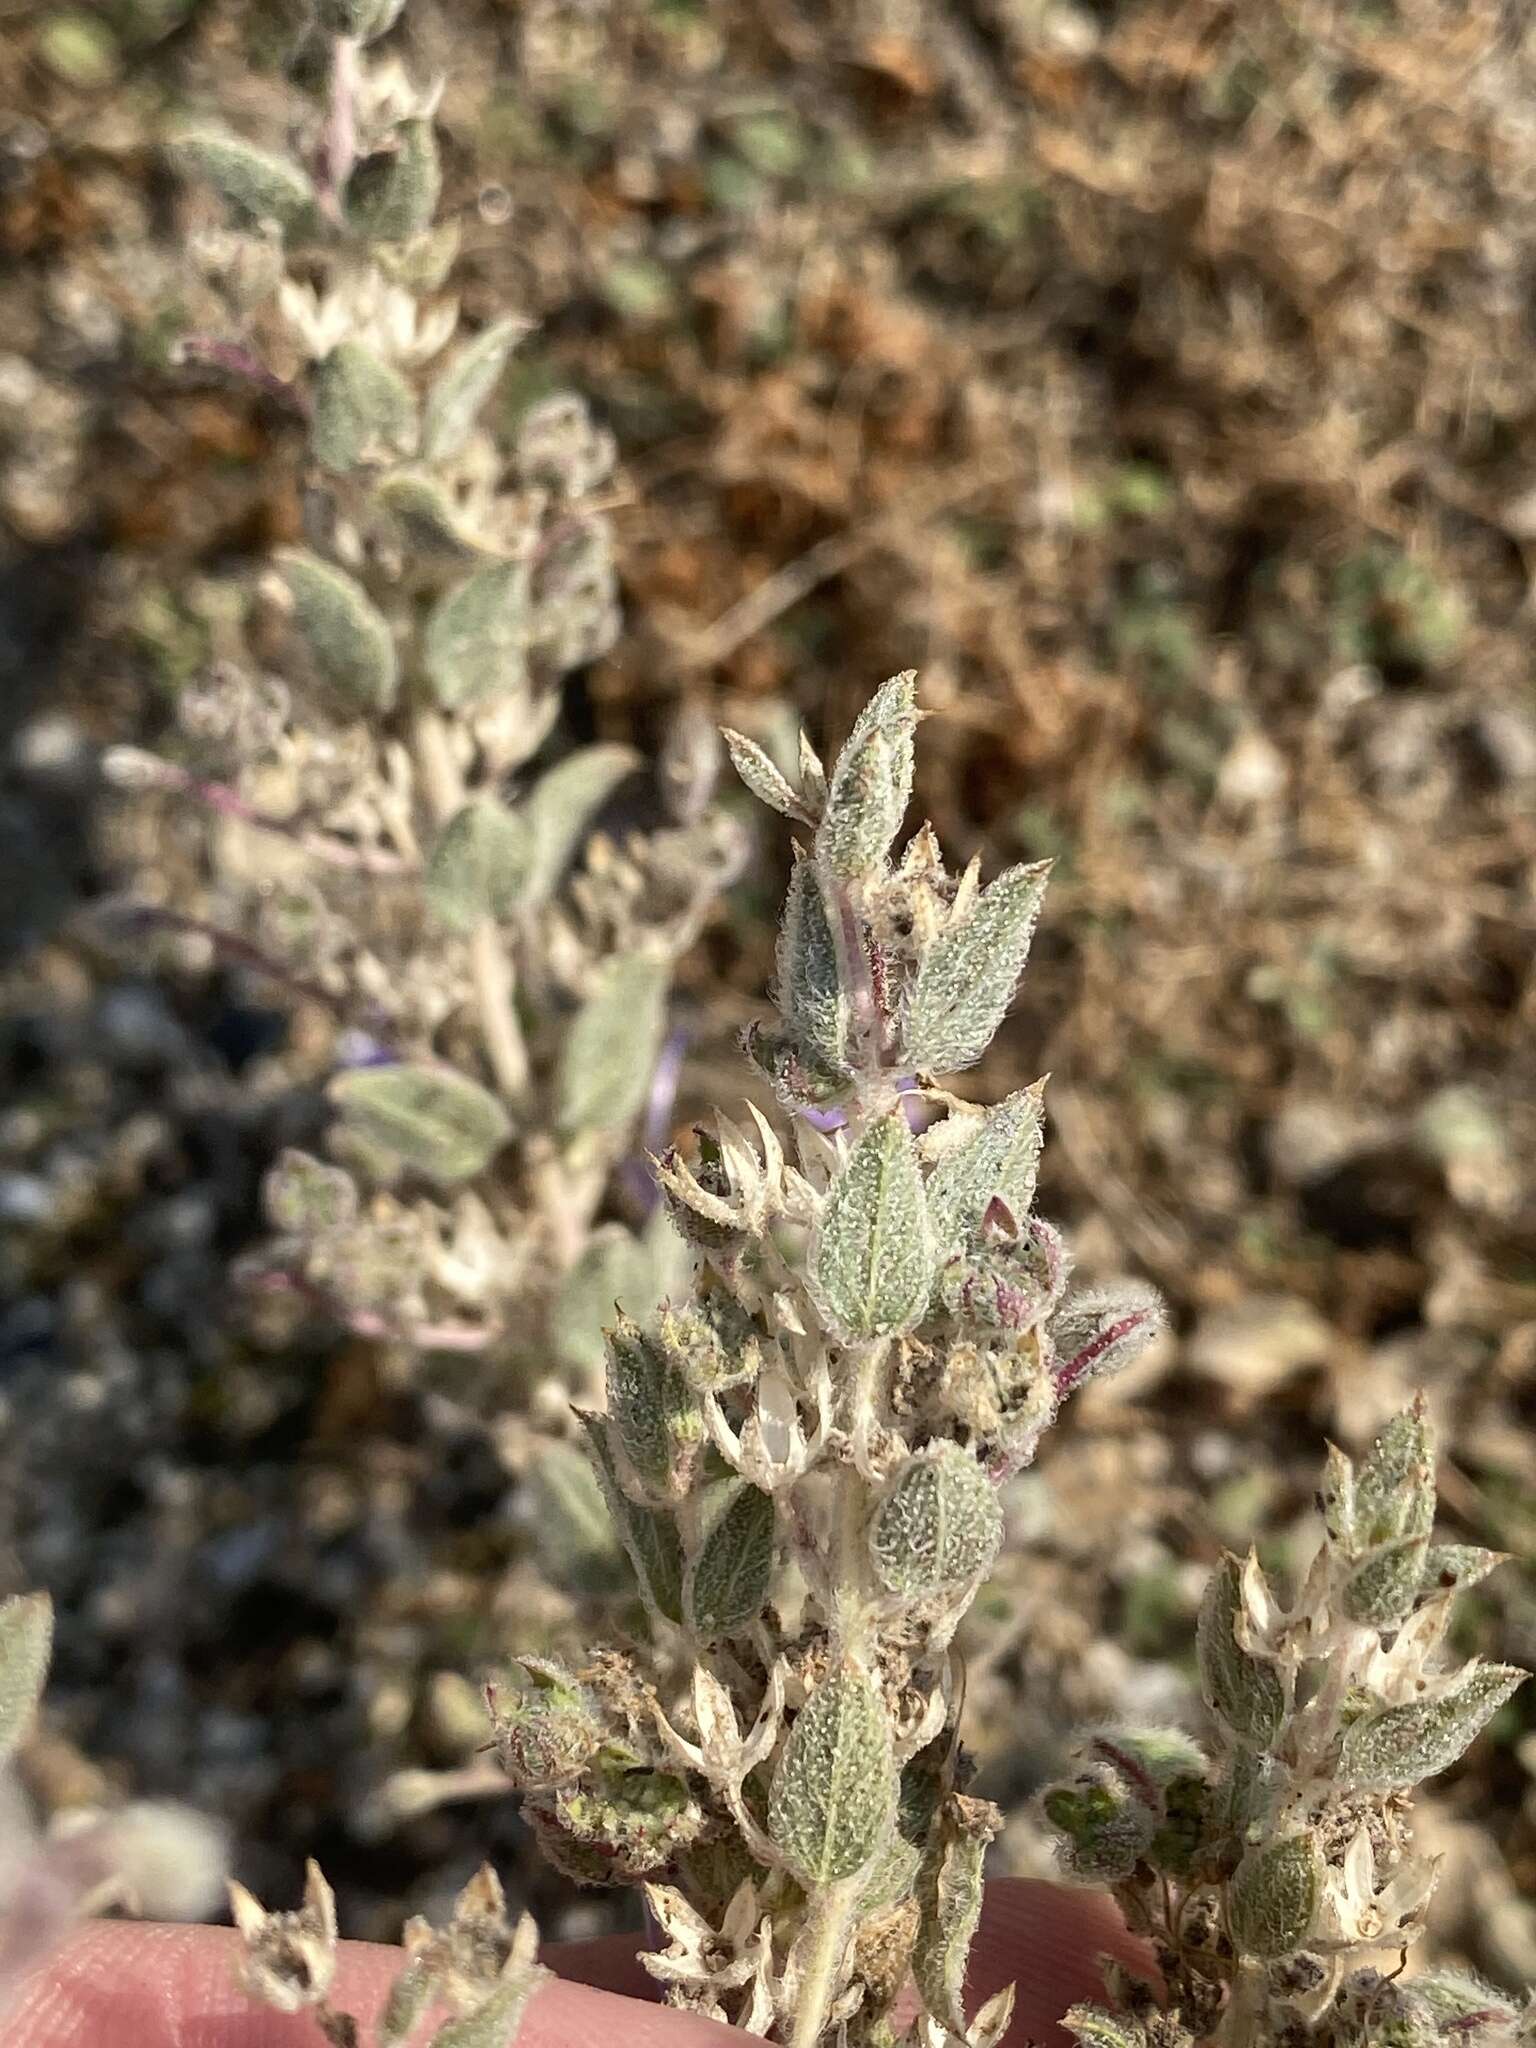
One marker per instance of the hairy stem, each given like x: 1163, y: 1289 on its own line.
x: 828, y: 1927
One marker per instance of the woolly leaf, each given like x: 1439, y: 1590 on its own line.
x: 1400, y: 1746
x: 409, y: 1996
x: 393, y: 194
x: 966, y: 978
x: 1395, y: 1485
x: 1458, y: 1565
x: 871, y: 783
x: 475, y: 642
x: 560, y: 807
x: 254, y: 182
x: 938, y: 1525
x: 727, y: 1583
x: 495, y: 2023
x: 1243, y: 1690
x: 348, y: 639
x: 1274, y: 1896
x: 436, y: 1120
x: 610, y: 1051
x: 757, y: 770
x: 1001, y: 1158
x: 569, y: 1523
x: 872, y: 1260
x: 1382, y: 1588
x: 810, y: 989
x: 612, y: 1271
x: 655, y: 1416
x: 364, y: 411
x: 949, y: 1891
x: 649, y: 1535
x: 833, y: 1795
x: 478, y: 866
x: 26, y: 1638
x: 460, y: 390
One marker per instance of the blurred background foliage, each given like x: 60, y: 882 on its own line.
x: 1155, y: 376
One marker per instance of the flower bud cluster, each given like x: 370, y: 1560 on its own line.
x: 802, y: 1453
x: 1270, y: 1869
x: 401, y: 832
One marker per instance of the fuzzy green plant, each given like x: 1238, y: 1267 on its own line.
x: 803, y: 1455
x: 401, y: 830
x: 1272, y: 1867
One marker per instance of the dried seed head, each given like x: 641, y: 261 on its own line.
x: 546, y: 1724
x: 290, y: 1958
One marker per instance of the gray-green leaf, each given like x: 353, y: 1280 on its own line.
x: 612, y: 1271
x: 833, y: 1795
x: 1458, y: 1565
x: 757, y: 770
x: 649, y: 1535
x: 1002, y: 1158
x: 966, y: 978
x: 1245, y: 1691
x: 26, y: 1638
x: 653, y: 1411
x: 938, y: 1525
x: 1400, y: 1746
x: 409, y: 1997
x: 479, y: 865
x: 872, y: 1262
x: 435, y: 1120
x: 393, y: 194
x: 1274, y: 1896
x: 1382, y: 1588
x: 561, y: 805
x: 496, y: 2023
x: 727, y: 1583
x: 254, y: 182
x: 871, y: 783
x: 610, y: 1052
x: 460, y: 390
x: 810, y: 993
x: 364, y: 411
x: 348, y: 639
x: 475, y: 644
